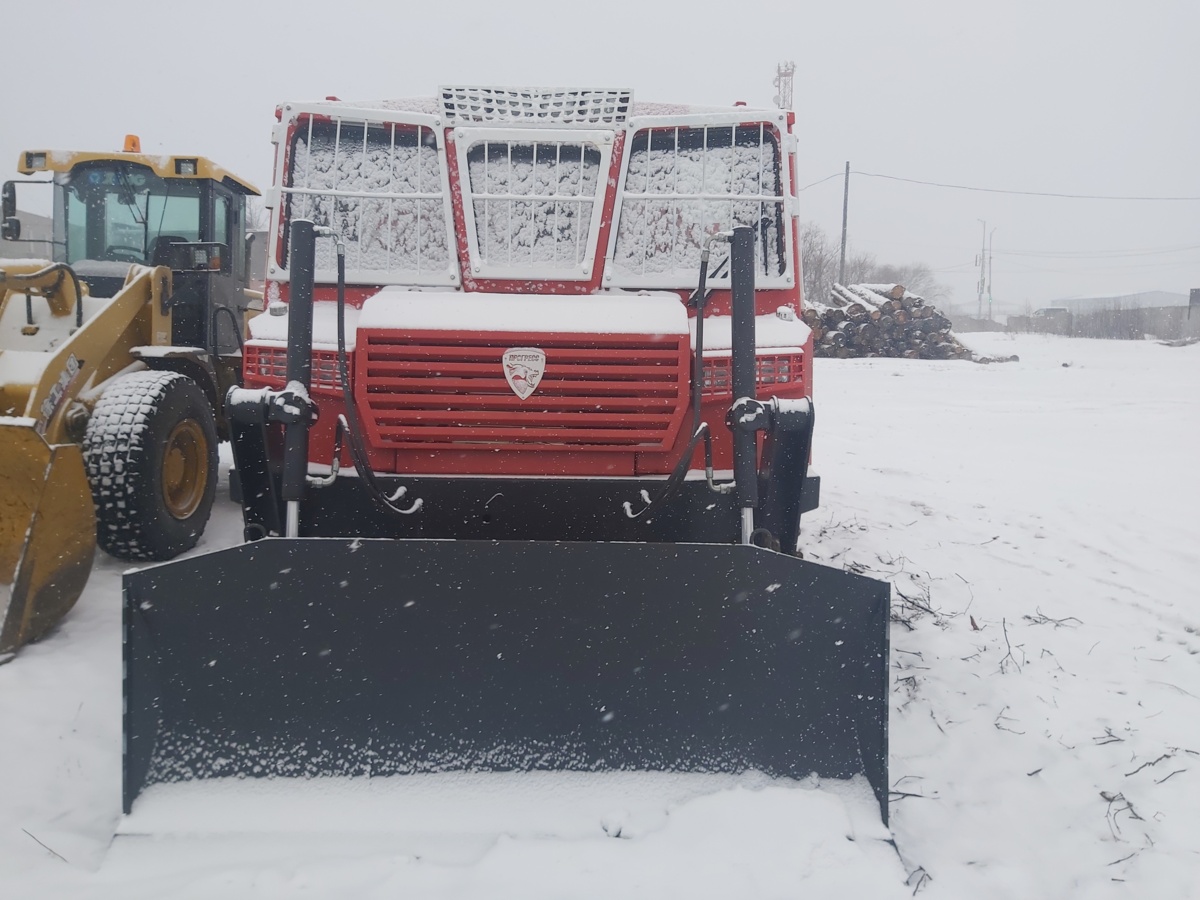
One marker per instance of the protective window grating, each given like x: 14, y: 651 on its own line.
x: 535, y: 105
x: 532, y: 203
x: 379, y: 187
x: 684, y: 184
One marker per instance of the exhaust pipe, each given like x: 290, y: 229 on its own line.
x: 303, y: 249
x: 251, y: 410
x: 744, y: 376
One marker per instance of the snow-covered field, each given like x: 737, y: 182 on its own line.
x: 1039, y: 521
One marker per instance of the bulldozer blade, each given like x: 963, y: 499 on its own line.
x: 373, y: 657
x: 47, y: 532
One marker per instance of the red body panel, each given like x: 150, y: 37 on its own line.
x: 437, y: 402
x: 439, y: 390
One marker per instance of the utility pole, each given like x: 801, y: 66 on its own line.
x: 845, y: 213
x: 990, y: 233
x: 982, y: 268
x: 784, y: 73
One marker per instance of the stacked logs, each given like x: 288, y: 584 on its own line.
x: 871, y: 320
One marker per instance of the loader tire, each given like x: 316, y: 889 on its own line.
x: 151, y: 455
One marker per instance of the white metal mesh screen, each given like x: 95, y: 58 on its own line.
x: 540, y: 106
x: 380, y: 188
x: 533, y: 202
x: 684, y: 184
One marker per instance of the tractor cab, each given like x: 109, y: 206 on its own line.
x: 114, y: 210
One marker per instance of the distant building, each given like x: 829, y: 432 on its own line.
x: 1140, y: 300
x: 1053, y: 320
x: 35, y: 243
x: 1158, y: 314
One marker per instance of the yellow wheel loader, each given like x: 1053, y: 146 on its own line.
x: 113, y: 357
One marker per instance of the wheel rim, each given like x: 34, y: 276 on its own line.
x: 185, y: 469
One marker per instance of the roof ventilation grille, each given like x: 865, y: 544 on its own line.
x: 587, y: 107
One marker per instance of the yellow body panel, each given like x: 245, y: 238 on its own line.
x: 51, y: 378
x: 47, y: 533
x: 47, y: 519
x: 163, y: 166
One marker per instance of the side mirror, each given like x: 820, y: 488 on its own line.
x: 8, y: 200
x: 10, y: 229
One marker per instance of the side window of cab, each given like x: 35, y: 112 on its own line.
x: 221, y: 231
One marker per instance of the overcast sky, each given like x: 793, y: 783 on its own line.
x: 1097, y: 97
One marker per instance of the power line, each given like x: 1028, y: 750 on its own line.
x: 1099, y: 254
x: 1023, y: 268
x: 963, y: 187
x: 821, y: 181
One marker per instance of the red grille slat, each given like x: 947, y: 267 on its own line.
x: 499, y: 387
x: 469, y: 352
x: 523, y: 434
x: 538, y: 402
x: 443, y: 368
x: 517, y: 419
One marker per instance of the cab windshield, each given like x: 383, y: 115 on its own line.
x: 124, y: 213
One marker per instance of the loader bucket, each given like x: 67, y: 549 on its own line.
x: 325, y: 656
x: 47, y: 532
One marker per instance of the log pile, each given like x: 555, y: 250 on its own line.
x: 872, y: 320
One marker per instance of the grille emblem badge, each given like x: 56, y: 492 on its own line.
x: 523, y: 369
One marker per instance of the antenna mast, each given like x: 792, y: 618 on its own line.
x: 784, y: 73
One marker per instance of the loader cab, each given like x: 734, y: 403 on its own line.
x: 111, y: 214
x: 115, y: 210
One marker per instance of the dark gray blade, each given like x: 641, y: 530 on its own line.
x: 319, y: 656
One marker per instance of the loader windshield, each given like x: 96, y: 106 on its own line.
x: 123, y: 213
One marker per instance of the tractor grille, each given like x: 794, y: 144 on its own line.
x: 267, y: 366
x: 783, y: 368
x: 598, y: 392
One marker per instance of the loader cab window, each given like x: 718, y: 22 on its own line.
x: 220, y: 230
x: 221, y: 212
x: 117, y: 212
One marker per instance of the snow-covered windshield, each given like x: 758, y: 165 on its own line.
x: 533, y: 202
x: 380, y: 188
x: 684, y: 184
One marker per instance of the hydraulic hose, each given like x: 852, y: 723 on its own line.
x: 214, y: 328
x: 358, y: 450
x: 700, y: 430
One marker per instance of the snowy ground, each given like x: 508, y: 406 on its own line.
x: 1039, y: 522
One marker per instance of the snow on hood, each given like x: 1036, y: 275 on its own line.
x: 771, y: 332
x: 646, y: 313
x: 273, y: 328
x: 401, y: 309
